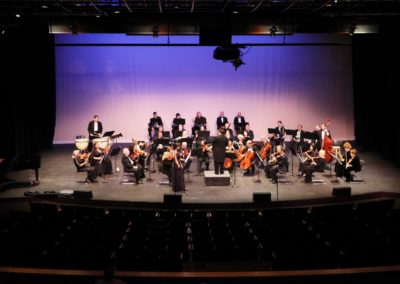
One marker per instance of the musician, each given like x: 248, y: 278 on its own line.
x: 239, y: 122
x: 166, y: 163
x: 317, y: 165
x: 278, y: 137
x: 95, y: 129
x: 228, y: 130
x: 248, y: 134
x: 247, y: 160
x: 185, y: 153
x: 81, y: 161
x: 131, y: 166
x: 154, y: 124
x: 342, y: 160
x: 221, y: 120
x: 277, y: 162
x: 138, y: 154
x: 199, y: 121
x: 297, y: 143
x: 306, y: 158
x: 353, y: 164
x: 178, y: 179
x: 178, y: 124
x: 204, y: 155
x: 321, y: 133
x: 218, y: 147
x: 228, y: 162
x: 96, y: 158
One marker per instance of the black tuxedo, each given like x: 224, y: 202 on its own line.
x: 221, y: 121
x: 239, y: 125
x: 155, y: 122
x: 91, y: 131
x: 218, y: 147
x: 130, y: 167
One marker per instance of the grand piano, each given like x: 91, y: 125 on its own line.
x: 19, y: 163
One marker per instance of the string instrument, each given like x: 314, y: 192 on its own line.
x: 312, y: 159
x: 275, y: 156
x: 245, y: 164
x: 239, y: 153
x: 167, y: 155
x: 348, y: 164
x: 264, y: 150
x: 206, y: 148
x: 327, y: 146
x: 84, y: 156
x: 228, y: 161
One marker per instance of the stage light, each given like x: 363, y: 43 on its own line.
x: 18, y: 15
x: 44, y: 6
x: 156, y: 31
x: 237, y: 63
x: 3, y: 31
x: 73, y: 29
x: 273, y: 30
x: 230, y: 54
x: 352, y: 29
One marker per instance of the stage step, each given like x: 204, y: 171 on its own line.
x: 211, y: 178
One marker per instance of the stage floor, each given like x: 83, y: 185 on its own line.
x: 58, y: 172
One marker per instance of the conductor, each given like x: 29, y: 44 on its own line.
x: 218, y: 147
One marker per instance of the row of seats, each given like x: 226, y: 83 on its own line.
x: 345, y: 235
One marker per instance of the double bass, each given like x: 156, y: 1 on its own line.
x: 327, y: 146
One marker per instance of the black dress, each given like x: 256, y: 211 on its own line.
x: 178, y: 178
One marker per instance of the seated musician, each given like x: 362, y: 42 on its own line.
x: 228, y: 130
x: 166, y: 163
x: 96, y: 159
x: 81, y: 161
x: 297, y: 143
x: 221, y: 120
x: 247, y: 160
x: 248, y: 134
x: 204, y: 156
x: 342, y: 160
x: 178, y: 124
x: 277, y: 162
x: 199, y: 121
x: 154, y: 124
x: 185, y: 153
x: 317, y: 164
x: 137, y: 151
x: 353, y: 164
x: 239, y: 122
x: 131, y: 165
x: 228, y: 162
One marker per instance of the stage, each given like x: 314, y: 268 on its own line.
x: 58, y: 173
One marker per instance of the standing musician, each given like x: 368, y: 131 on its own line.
x: 186, y: 156
x: 342, y: 160
x: 199, y: 121
x: 154, y: 124
x: 130, y: 165
x: 297, y: 143
x: 239, y: 122
x: 178, y: 124
x: 218, y: 147
x: 322, y: 132
x: 278, y: 138
x: 277, y: 162
x: 178, y: 179
x: 221, y: 120
x: 95, y: 129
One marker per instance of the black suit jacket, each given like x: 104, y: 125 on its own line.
x: 237, y: 124
x: 221, y: 121
x: 91, y: 128
x: 157, y: 120
x: 218, y: 147
x: 126, y: 163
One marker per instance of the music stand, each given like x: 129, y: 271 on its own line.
x: 113, y: 153
x: 204, y: 134
x: 310, y: 135
x: 108, y: 133
x: 166, y: 134
x: 196, y: 152
x: 232, y: 155
x: 189, y: 142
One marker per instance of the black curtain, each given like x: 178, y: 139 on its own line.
x: 27, y: 89
x: 376, y: 78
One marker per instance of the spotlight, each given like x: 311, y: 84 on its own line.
x: 18, y: 15
x: 73, y: 29
x: 352, y: 29
x: 156, y: 31
x: 273, y: 30
x: 237, y: 62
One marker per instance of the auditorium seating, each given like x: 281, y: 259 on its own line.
x: 77, y: 237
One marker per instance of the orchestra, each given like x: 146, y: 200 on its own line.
x: 315, y: 149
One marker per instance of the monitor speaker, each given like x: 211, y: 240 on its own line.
x: 341, y: 191
x: 172, y: 199
x: 261, y: 198
x: 83, y: 194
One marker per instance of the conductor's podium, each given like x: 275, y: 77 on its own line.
x: 211, y: 178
